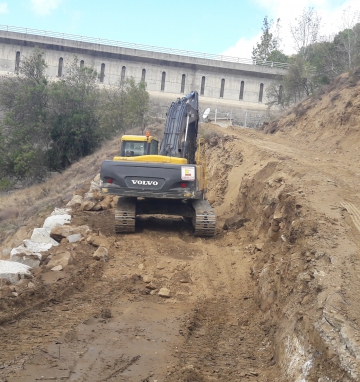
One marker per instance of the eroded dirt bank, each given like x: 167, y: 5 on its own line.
x: 273, y: 297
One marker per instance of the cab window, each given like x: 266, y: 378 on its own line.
x: 134, y: 149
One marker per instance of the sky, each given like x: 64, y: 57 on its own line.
x: 228, y: 27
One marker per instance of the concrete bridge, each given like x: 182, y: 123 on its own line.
x: 221, y: 81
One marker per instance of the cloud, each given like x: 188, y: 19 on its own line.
x: 331, y: 21
x: 44, y: 7
x: 243, y: 47
x: 4, y: 8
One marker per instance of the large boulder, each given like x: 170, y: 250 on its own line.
x: 41, y: 235
x: 75, y: 201
x: 63, y: 232
x: 62, y: 258
x: 55, y: 220
x: 25, y: 256
x: 14, y: 271
x: 101, y: 254
x: 91, y: 205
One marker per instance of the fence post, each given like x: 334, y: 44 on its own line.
x: 245, y: 118
x: 215, y: 114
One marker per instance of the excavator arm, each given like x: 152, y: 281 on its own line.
x: 181, y: 128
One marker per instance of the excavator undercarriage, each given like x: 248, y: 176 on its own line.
x: 199, y: 211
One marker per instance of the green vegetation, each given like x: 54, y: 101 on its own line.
x: 318, y: 60
x: 48, y: 125
x: 268, y: 49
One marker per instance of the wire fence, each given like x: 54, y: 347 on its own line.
x: 242, y: 117
x: 146, y: 48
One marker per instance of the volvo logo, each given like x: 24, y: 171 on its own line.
x: 145, y: 182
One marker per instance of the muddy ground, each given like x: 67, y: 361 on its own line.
x: 273, y: 297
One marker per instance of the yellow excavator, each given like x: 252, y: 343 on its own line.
x: 170, y: 180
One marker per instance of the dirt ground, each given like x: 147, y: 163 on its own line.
x: 274, y: 296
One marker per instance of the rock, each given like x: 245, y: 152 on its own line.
x: 14, y: 271
x: 98, y: 240
x: 95, y: 185
x: 101, y: 254
x: 41, y: 235
x: 15, y: 294
x: 57, y: 268
x: 62, y: 258
x: 25, y: 256
x: 164, y: 292
x: 105, y: 313
x: 60, y: 232
x: 4, y: 289
x: 152, y: 287
x: 278, y: 214
x: 141, y: 266
x: 306, y: 299
x: 97, y: 178
x: 106, y: 204
x: 75, y: 201
x: 161, y: 265
x: 90, y: 205
x: 33, y: 246
x: 235, y: 222
x: 61, y: 211
x: 55, y: 220
x: 146, y: 279
x: 259, y: 246
x: 74, y: 238
x: 31, y: 285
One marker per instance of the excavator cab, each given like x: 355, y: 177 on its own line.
x: 138, y: 145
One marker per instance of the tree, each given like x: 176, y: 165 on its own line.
x: 347, y: 41
x: 24, y: 130
x: 268, y: 49
x: 136, y: 104
x: 306, y: 31
x: 124, y: 106
x: 73, y: 103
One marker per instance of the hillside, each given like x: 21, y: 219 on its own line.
x: 274, y: 296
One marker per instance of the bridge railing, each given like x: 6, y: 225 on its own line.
x: 149, y: 48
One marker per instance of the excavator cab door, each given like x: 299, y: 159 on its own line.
x: 154, y: 147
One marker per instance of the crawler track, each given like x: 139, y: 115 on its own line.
x: 125, y: 214
x: 204, y: 220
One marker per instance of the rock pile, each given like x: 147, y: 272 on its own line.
x: 56, y: 230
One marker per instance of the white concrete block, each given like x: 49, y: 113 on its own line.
x: 53, y: 221
x: 41, y: 235
x: 13, y: 271
x: 25, y: 256
x: 33, y: 246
